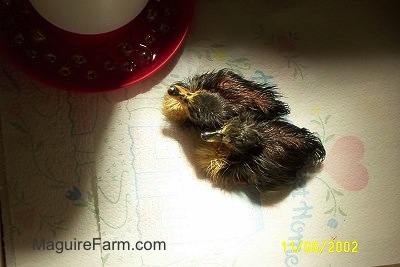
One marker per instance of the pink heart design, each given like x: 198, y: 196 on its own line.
x: 343, y: 163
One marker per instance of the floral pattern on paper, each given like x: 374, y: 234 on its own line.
x: 283, y: 43
x: 342, y: 164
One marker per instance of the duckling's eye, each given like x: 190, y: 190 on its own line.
x: 173, y: 91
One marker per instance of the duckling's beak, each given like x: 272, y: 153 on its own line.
x: 215, y: 136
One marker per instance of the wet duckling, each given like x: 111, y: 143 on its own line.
x: 267, y: 154
x: 209, y: 99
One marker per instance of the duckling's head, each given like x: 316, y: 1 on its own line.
x: 203, y: 108
x: 241, y: 136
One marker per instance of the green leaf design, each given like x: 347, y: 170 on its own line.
x: 105, y: 258
x: 208, y: 55
x: 38, y: 145
x: 342, y: 212
x: 329, y: 211
x: 18, y: 127
x: 337, y: 192
x: 81, y: 205
x: 316, y: 122
x: 25, y: 144
x: 260, y: 33
x: 195, y: 52
x: 105, y: 97
x: 59, y: 222
x: 217, y: 46
x: 327, y: 119
x: 90, y: 197
x: 16, y: 185
x: 242, y: 59
x: 23, y: 196
x: 328, y: 195
x: 40, y: 225
x: 329, y: 138
x: 57, y: 186
x: 15, y: 229
x: 53, y: 231
x: 295, y: 72
x: 303, y: 66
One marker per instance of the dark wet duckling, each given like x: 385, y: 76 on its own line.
x: 267, y: 154
x: 208, y: 100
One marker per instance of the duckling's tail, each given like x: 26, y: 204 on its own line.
x: 319, y: 153
x: 313, y: 165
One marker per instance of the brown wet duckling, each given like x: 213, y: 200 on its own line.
x: 268, y: 154
x: 209, y: 99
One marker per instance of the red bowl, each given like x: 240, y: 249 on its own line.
x: 97, y: 62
